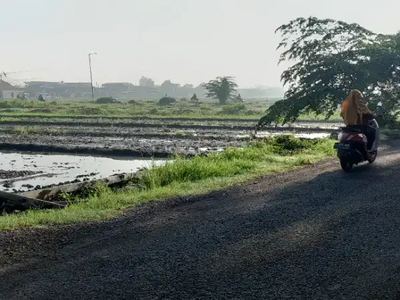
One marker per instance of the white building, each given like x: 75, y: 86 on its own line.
x: 7, y: 91
x: 11, y: 94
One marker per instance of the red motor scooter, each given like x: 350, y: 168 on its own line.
x: 353, y: 149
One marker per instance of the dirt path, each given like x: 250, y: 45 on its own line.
x: 235, y: 127
x: 315, y: 233
x: 133, y: 147
x: 160, y: 118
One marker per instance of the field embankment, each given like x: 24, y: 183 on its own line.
x: 136, y: 137
x: 216, y: 146
x: 180, y: 177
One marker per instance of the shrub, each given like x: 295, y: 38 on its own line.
x: 87, y: 111
x: 106, y: 100
x: 289, y: 144
x: 41, y: 110
x: 233, y: 109
x: 251, y: 112
x: 180, y: 133
x: 21, y: 96
x: 166, y: 101
x: 153, y: 111
x: 185, y: 111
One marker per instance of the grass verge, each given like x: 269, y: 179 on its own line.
x: 142, y: 108
x: 139, y: 109
x: 183, y: 177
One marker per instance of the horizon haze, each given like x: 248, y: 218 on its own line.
x: 185, y: 42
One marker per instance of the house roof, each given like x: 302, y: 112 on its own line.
x: 6, y: 86
x: 48, y: 84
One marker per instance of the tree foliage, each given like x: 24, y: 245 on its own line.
x: 146, y: 82
x: 221, y: 88
x: 166, y: 100
x: 329, y: 58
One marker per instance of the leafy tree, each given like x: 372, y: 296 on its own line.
x: 167, y: 87
x: 146, y: 82
x: 329, y: 58
x: 221, y: 88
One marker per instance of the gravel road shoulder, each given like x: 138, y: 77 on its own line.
x: 313, y: 233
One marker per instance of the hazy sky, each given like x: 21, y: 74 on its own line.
x: 186, y: 41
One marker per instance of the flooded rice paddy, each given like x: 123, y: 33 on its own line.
x: 22, y: 172
x: 82, y: 147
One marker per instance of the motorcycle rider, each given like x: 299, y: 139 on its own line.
x: 355, y: 113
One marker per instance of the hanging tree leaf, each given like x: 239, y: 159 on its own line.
x: 329, y: 59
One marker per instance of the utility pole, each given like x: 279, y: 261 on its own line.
x: 90, y: 70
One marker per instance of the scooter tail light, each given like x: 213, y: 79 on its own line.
x: 363, y: 137
x: 345, y: 136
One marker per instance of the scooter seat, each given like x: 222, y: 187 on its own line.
x: 351, y: 129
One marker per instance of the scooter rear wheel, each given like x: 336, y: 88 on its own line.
x: 346, y: 164
x: 373, y: 156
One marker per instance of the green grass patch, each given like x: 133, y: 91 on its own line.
x: 314, y: 117
x: 144, y: 108
x: 140, y: 108
x: 182, y: 177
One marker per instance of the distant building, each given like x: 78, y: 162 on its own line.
x: 8, y: 91
x: 118, y: 86
x: 116, y: 89
x: 59, y: 90
x: 125, y: 90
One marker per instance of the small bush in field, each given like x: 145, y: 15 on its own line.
x: 166, y: 101
x: 106, y: 100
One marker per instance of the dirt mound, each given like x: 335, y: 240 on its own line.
x: 4, y: 174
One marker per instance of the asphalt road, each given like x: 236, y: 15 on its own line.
x: 314, y: 233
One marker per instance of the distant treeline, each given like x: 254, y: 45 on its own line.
x: 145, y: 90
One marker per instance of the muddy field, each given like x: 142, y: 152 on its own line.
x: 153, y: 119
x: 139, y: 137
x: 39, y: 151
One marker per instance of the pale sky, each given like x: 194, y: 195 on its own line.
x: 186, y: 41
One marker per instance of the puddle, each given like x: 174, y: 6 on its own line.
x: 61, y: 168
x: 313, y: 135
